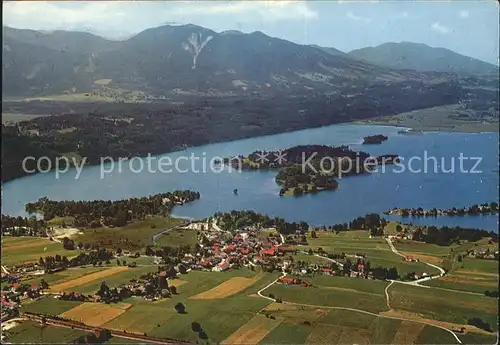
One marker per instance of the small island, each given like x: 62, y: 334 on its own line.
x: 375, y: 139
x: 305, y: 169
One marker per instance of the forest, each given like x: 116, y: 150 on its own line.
x: 99, y: 213
x: 95, y: 130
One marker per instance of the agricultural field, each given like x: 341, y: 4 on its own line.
x: 471, y: 275
x: 88, y: 278
x: 31, y: 332
x: 113, y: 276
x: 330, y: 296
x: 135, y: 236
x: 445, y: 306
x: 13, y: 118
x: 178, y: 237
x: 308, y: 325
x: 18, y: 250
x: 229, y: 287
x: 253, y: 331
x: 66, y: 275
x: 49, y: 305
x: 101, y: 94
x: 218, y: 317
x: 377, y: 250
x: 96, y: 314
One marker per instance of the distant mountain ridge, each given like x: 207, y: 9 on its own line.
x: 421, y: 57
x: 184, y: 58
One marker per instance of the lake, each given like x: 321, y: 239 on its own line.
x: 356, y: 195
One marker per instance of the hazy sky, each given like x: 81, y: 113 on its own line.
x: 467, y: 27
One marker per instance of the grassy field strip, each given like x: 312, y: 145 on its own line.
x: 96, y: 314
x: 407, y: 333
x: 28, y: 242
x: 228, y: 288
x: 87, y: 279
x: 410, y: 317
x: 382, y: 314
x: 253, y: 331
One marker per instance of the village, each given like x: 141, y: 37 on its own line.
x: 217, y: 250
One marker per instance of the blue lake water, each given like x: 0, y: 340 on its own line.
x: 356, y: 196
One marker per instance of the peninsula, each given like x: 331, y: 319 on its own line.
x: 485, y: 208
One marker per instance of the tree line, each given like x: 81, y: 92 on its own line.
x: 445, y: 236
x: 234, y: 220
x: 24, y: 226
x: 99, y: 213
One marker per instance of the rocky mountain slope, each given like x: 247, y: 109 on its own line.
x: 421, y: 57
x: 184, y: 58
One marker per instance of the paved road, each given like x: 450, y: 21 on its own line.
x: 357, y: 310
x: 387, y: 299
x: 170, y: 228
x: 442, y: 272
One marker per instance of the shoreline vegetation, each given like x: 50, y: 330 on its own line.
x: 446, y: 118
x: 305, y: 169
x: 491, y: 208
x: 106, y: 213
x: 375, y: 139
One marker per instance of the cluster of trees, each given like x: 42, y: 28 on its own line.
x: 445, y: 236
x: 95, y: 257
x: 99, y: 336
x: 173, y: 255
x: 234, y: 220
x: 155, y: 286
x: 375, y: 139
x: 196, y: 327
x: 493, y: 293
x: 383, y: 273
x: 111, y: 213
x: 480, y: 323
x: 293, y: 177
x: 372, y: 222
x: 24, y: 226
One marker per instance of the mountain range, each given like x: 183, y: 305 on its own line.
x: 194, y: 59
x: 421, y: 57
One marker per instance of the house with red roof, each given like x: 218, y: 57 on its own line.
x: 224, y: 265
x: 287, y: 280
x: 229, y: 248
x: 328, y: 271
x: 271, y: 251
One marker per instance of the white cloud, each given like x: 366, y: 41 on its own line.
x: 356, y: 18
x: 49, y: 15
x: 45, y: 15
x: 248, y: 10
x: 464, y: 14
x: 440, y: 28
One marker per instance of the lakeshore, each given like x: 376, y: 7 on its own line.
x: 449, y: 118
x: 257, y: 190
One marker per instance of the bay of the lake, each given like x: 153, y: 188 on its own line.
x: 257, y: 190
